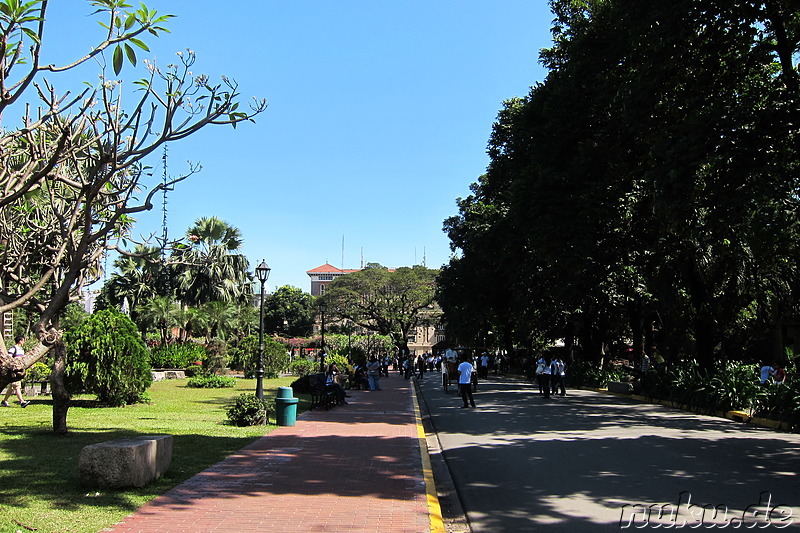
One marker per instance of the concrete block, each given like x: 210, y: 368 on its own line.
x: 158, y: 375
x: 175, y: 374
x: 130, y: 462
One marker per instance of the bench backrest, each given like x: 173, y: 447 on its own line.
x: 317, y: 381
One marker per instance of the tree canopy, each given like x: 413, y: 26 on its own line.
x: 73, y: 167
x: 389, y: 302
x: 647, y: 189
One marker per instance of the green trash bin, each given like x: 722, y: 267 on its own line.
x: 285, y: 407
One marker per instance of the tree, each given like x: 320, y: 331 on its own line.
x: 137, y: 281
x: 389, y: 302
x: 72, y: 171
x: 210, y: 268
x: 290, y: 312
x: 161, y: 313
x: 650, y: 177
x: 109, y: 359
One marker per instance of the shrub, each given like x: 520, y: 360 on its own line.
x: 341, y: 361
x: 211, y: 382
x: 216, y: 359
x: 37, y: 372
x: 276, y: 360
x: 108, y: 358
x: 177, y: 355
x: 585, y: 374
x: 302, y: 367
x: 248, y: 411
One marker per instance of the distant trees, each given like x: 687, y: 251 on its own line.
x: 389, y: 302
x: 289, y: 312
x: 646, y: 190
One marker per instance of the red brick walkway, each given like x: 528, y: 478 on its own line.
x: 354, y: 468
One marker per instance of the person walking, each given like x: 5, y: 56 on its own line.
x: 543, y: 373
x: 374, y: 373
x: 558, y: 374
x: 465, y: 370
x: 484, y: 366
x: 16, y: 386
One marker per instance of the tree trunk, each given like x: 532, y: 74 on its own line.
x: 637, y: 332
x: 704, y: 335
x: 569, y: 340
x: 61, y: 396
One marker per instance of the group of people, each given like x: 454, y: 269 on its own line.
x: 550, y: 375
x: 772, y: 373
x: 16, y: 387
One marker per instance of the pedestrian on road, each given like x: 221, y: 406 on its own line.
x: 484, y: 373
x: 543, y: 373
x: 16, y: 386
x: 421, y: 362
x: 558, y: 373
x: 374, y: 373
x: 465, y: 370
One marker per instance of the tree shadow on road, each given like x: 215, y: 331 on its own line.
x: 572, y: 463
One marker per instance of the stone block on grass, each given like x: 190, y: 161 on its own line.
x: 129, y: 462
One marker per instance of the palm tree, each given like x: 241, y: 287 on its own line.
x: 160, y: 312
x: 139, y: 278
x: 210, y: 269
x: 221, y: 318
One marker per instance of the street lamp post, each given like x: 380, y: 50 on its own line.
x: 262, y: 273
x: 322, y: 308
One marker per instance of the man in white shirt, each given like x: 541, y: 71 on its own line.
x: 484, y: 373
x: 465, y: 370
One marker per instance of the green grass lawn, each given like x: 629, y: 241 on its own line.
x: 39, y: 470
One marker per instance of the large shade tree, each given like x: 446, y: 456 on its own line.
x: 389, y: 302
x: 649, y: 184
x: 72, y: 166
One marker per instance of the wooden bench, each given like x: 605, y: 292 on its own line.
x: 321, y: 394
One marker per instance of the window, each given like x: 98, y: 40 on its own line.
x: 326, y: 277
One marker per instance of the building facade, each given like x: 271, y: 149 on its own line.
x: 322, y: 275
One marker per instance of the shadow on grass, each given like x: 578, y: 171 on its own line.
x: 44, y: 466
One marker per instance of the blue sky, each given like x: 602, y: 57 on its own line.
x: 378, y: 119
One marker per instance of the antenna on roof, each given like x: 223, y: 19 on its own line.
x: 362, y: 258
x: 342, y: 251
x: 424, y: 259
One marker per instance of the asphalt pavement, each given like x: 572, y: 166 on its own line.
x: 591, y: 461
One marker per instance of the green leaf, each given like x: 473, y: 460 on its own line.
x: 139, y: 43
x: 32, y: 35
x: 117, y: 61
x: 131, y: 54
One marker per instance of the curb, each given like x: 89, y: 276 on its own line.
x: 432, y: 497
x: 452, y: 515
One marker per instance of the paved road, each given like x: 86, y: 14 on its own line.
x: 596, y: 462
